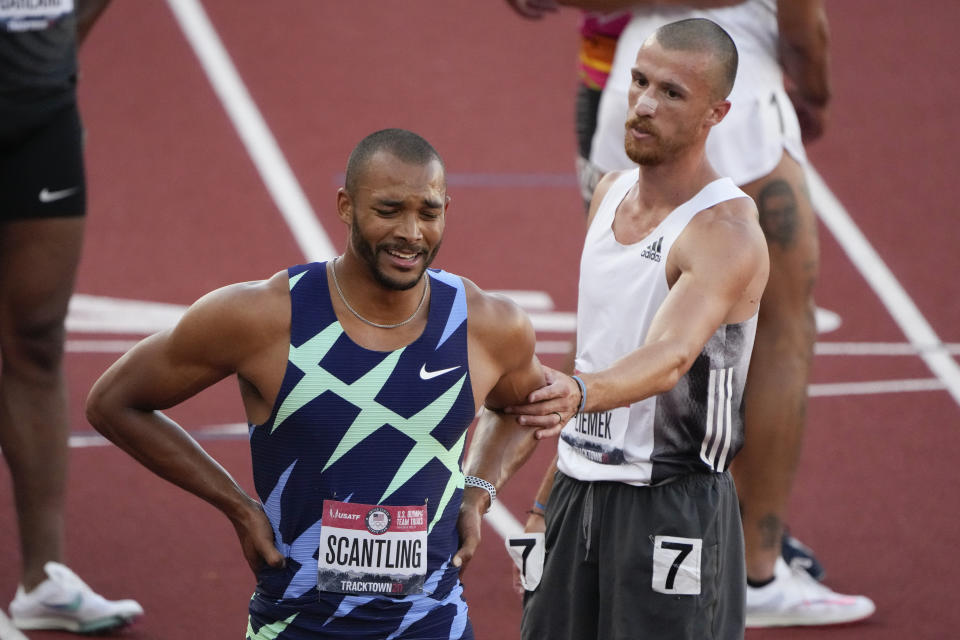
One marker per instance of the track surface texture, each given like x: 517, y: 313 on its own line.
x: 178, y: 207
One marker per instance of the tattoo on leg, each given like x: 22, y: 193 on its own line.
x: 777, y: 204
x: 771, y: 530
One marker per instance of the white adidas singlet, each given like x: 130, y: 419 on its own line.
x: 698, y: 425
x: 761, y: 124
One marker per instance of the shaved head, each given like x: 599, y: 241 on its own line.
x: 400, y: 143
x: 703, y: 36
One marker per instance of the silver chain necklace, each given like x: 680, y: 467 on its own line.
x: 336, y: 283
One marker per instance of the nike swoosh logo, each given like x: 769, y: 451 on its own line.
x: 52, y: 196
x: 73, y: 605
x: 429, y: 375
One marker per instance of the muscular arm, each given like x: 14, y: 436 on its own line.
x: 499, y: 445
x: 805, y: 58
x: 218, y: 336
x: 718, y: 264
x: 722, y: 265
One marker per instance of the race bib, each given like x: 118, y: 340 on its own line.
x: 527, y: 553
x: 676, y: 565
x: 370, y: 549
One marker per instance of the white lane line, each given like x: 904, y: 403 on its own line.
x: 872, y: 388
x: 893, y: 296
x: 7, y: 630
x: 230, y: 431
x: 528, y: 300
x: 103, y: 314
x: 820, y: 348
x: 882, y: 348
x: 544, y: 319
x: 556, y: 347
x: 554, y: 321
x: 99, y: 346
x: 502, y: 521
x: 253, y: 130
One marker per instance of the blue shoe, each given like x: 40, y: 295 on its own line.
x: 798, y: 555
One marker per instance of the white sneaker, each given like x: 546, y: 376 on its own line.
x: 63, y: 601
x: 794, y: 599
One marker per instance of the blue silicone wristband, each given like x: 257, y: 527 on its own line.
x: 583, y: 393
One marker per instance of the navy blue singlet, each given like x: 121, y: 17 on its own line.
x: 370, y: 431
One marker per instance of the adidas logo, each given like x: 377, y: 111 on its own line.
x: 653, y: 251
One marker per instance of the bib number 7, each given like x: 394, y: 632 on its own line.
x: 527, y: 552
x: 676, y: 565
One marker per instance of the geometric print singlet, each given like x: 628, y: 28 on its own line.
x: 352, y: 426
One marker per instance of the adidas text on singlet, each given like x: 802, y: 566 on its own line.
x: 695, y: 427
x: 358, y: 470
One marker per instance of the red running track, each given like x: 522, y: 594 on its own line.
x: 178, y: 208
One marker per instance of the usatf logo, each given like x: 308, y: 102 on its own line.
x: 653, y: 251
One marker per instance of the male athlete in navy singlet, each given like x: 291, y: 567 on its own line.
x: 359, y: 377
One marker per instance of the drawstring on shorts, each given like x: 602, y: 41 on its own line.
x: 587, y: 521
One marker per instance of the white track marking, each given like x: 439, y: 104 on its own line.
x: 99, y: 346
x: 502, y: 521
x: 882, y: 349
x: 554, y: 347
x: 253, y: 130
x: 827, y: 321
x: 528, y: 300
x: 561, y: 347
x: 98, y: 314
x: 226, y: 431
x: 7, y: 630
x: 872, y: 388
x: 554, y: 321
x: 893, y: 296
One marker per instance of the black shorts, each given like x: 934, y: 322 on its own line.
x: 586, y: 104
x: 585, y: 123
x: 632, y: 563
x: 41, y: 167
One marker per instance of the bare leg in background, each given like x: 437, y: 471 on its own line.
x: 776, y: 393
x: 38, y: 263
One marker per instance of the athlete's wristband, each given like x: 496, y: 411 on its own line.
x: 480, y: 483
x: 583, y: 393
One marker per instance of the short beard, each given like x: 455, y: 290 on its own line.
x: 368, y: 255
x: 650, y: 158
x: 660, y: 153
